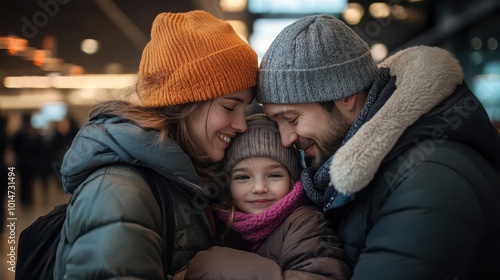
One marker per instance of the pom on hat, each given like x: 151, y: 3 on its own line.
x: 262, y: 139
x: 193, y: 57
x: 315, y: 59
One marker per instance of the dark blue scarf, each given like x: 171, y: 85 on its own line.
x: 317, y: 184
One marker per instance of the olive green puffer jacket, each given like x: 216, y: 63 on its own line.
x: 113, y: 228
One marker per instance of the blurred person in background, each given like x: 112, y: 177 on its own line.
x: 64, y: 132
x: 28, y: 147
x: 57, y: 142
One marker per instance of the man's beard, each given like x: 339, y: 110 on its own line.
x: 332, y: 139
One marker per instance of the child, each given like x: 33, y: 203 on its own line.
x: 269, y: 216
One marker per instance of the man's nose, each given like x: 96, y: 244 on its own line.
x: 288, y: 136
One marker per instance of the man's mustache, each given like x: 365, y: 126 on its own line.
x: 303, y: 144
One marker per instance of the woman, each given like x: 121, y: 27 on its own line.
x: 196, y: 77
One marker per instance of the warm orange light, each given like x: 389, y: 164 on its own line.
x: 84, y: 81
x: 76, y: 70
x: 15, y: 45
x: 39, y: 57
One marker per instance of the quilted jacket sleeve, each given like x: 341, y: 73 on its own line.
x: 306, y: 247
x: 111, y: 231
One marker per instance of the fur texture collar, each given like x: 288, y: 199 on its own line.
x: 425, y: 77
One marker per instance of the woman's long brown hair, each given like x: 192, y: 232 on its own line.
x: 170, y: 122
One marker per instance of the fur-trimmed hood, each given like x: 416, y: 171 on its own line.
x: 425, y: 76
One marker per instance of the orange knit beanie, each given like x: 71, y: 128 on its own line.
x: 193, y: 57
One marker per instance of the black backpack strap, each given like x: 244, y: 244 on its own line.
x: 165, y: 201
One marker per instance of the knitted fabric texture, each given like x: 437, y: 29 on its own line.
x: 262, y: 139
x: 316, y: 183
x: 256, y: 228
x: 317, y: 58
x: 193, y: 57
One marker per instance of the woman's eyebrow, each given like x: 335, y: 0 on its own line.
x: 235, y: 99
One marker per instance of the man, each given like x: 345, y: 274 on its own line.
x: 403, y: 157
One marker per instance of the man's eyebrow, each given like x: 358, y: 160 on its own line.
x: 280, y: 113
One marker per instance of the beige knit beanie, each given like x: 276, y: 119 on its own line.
x: 262, y: 139
x: 193, y: 57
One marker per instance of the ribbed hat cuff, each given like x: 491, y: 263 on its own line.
x: 219, y: 74
x: 261, y: 142
x: 316, y: 85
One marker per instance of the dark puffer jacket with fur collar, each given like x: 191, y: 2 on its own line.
x: 424, y: 170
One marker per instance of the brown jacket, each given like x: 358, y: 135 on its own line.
x: 304, y: 246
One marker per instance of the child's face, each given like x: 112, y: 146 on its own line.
x: 258, y: 183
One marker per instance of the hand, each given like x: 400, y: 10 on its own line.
x: 227, y: 263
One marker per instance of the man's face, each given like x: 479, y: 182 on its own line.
x: 311, y: 128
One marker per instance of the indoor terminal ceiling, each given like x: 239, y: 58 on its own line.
x: 122, y: 28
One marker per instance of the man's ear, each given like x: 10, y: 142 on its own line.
x: 351, y: 106
x: 347, y: 103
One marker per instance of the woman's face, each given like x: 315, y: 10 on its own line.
x: 217, y: 122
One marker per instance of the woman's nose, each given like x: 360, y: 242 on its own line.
x: 239, y: 124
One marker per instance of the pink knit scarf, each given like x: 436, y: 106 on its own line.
x: 256, y: 227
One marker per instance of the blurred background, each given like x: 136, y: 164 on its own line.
x: 59, y: 57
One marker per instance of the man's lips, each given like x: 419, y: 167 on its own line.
x: 306, y: 146
x: 309, y: 151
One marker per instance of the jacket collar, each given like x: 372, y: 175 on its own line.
x: 425, y: 76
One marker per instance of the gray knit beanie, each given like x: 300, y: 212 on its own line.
x: 317, y: 58
x: 262, y: 139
